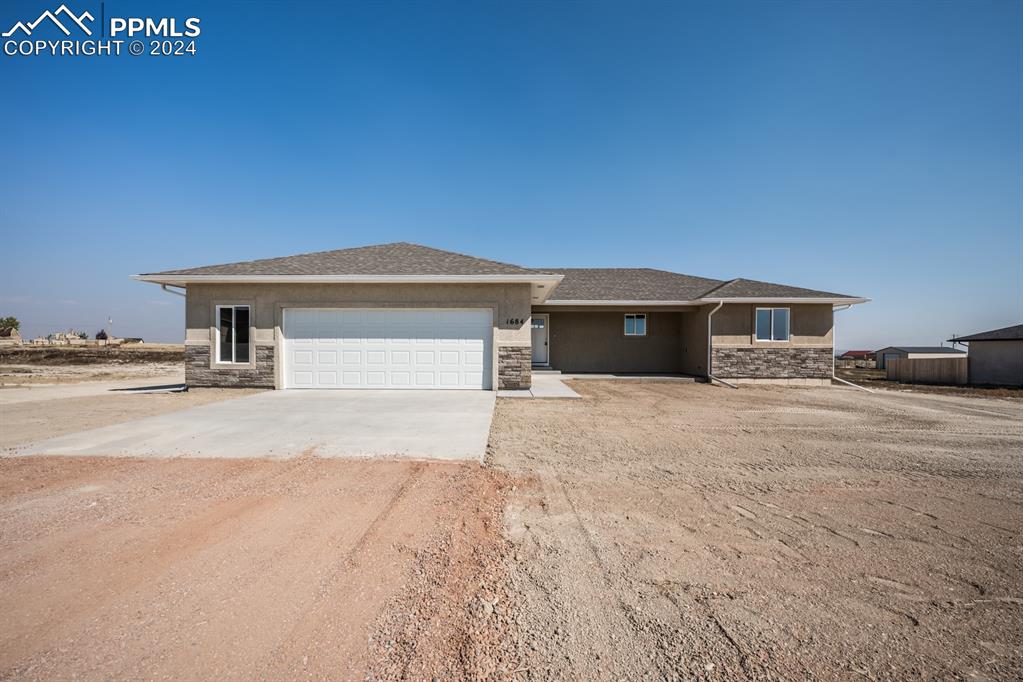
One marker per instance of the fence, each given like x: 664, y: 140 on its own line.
x: 948, y: 371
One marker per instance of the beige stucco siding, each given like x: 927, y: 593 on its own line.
x: 996, y: 362
x: 809, y: 325
x: 510, y: 303
x: 694, y: 341
x: 596, y: 342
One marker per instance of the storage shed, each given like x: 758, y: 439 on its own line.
x: 996, y: 357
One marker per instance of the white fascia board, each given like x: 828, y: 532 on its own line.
x: 183, y: 280
x: 788, y: 299
x: 622, y: 303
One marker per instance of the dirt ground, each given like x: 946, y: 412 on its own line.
x: 654, y: 530
x: 12, y: 376
x: 34, y: 420
x: 877, y: 379
x: 49, y: 365
x: 690, y: 531
x: 245, y: 569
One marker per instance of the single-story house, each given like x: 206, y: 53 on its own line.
x: 996, y: 357
x: 409, y: 316
x: 913, y: 352
x: 857, y: 355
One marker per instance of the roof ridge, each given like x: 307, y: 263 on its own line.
x: 715, y: 288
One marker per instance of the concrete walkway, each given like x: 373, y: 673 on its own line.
x: 544, y: 385
x: 25, y: 394
x: 284, y: 424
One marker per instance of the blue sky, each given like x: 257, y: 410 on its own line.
x: 867, y: 148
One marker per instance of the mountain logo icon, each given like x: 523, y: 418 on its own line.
x: 53, y: 17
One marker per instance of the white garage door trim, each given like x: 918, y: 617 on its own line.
x: 388, y: 348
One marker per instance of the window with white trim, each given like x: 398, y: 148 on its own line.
x: 772, y: 324
x: 635, y: 324
x: 233, y: 333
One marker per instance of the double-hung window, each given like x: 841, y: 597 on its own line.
x: 772, y: 324
x: 635, y: 324
x: 233, y: 333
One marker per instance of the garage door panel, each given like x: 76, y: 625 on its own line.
x: 387, y: 348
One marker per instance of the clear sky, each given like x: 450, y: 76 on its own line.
x: 867, y: 148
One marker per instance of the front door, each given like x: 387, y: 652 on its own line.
x: 540, y: 339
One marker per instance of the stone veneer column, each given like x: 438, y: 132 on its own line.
x: 514, y: 367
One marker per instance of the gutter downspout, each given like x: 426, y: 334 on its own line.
x: 833, y: 377
x: 710, y: 318
x: 171, y: 291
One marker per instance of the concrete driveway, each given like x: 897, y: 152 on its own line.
x: 284, y: 424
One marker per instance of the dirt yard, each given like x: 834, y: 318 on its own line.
x: 877, y: 379
x: 690, y: 531
x: 52, y: 365
x: 648, y: 530
x: 245, y: 569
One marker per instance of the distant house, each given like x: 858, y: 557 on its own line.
x: 857, y: 355
x: 913, y: 352
x: 996, y: 357
x: 9, y: 336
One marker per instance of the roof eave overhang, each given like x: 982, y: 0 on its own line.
x: 834, y: 301
x: 541, y: 284
x: 623, y: 302
x: 704, y: 301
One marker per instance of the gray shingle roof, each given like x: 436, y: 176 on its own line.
x: 627, y: 284
x: 645, y: 284
x: 1014, y: 333
x: 579, y: 284
x: 751, y: 288
x: 400, y: 258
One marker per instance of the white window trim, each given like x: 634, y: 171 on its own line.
x: 625, y: 328
x: 788, y: 326
x: 234, y: 333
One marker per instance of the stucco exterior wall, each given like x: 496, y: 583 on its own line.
x: 809, y: 325
x: 996, y: 362
x: 596, y: 342
x: 694, y: 341
x: 510, y: 303
x: 806, y: 356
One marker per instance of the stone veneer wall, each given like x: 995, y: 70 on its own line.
x: 772, y: 363
x: 199, y: 373
x: 514, y: 366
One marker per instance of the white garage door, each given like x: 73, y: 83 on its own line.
x: 368, y: 348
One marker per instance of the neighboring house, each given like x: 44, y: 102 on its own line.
x: 913, y: 352
x: 864, y: 359
x: 409, y: 316
x: 996, y: 357
x: 9, y: 336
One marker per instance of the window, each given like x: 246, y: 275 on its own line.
x: 772, y: 324
x: 635, y: 324
x: 233, y: 333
